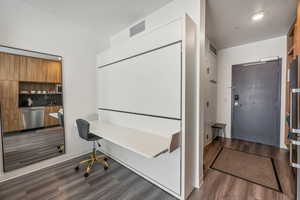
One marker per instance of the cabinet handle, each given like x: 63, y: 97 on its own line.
x: 1, y: 123
x: 296, y: 143
x: 293, y: 130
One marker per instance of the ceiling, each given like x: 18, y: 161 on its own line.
x: 103, y: 17
x: 229, y: 23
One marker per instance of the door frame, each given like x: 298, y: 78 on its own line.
x: 249, y: 64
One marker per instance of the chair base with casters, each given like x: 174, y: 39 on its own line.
x: 94, y: 158
x: 83, y: 128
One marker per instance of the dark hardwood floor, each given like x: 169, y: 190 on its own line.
x: 119, y: 183
x: 61, y: 182
x: 220, y: 186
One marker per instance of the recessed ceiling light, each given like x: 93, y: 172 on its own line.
x: 258, y: 16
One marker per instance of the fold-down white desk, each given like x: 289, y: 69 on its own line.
x: 147, y: 144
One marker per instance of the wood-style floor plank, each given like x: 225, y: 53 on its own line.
x: 221, y: 186
x: 62, y: 182
x: 24, y: 148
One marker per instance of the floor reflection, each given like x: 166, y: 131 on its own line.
x: 24, y: 148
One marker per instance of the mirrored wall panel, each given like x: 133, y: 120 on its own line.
x: 32, y: 114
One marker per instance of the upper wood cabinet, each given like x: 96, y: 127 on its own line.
x: 39, y: 70
x: 54, y: 74
x: 9, y: 67
x: 33, y: 70
x: 296, y: 33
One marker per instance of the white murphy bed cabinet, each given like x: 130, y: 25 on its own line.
x: 149, y: 84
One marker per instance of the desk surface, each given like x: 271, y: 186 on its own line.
x: 55, y: 114
x: 146, y: 144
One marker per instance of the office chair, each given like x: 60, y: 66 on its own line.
x: 84, y: 132
x: 61, y: 119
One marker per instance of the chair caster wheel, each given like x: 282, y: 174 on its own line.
x: 86, y: 174
x: 105, y: 168
x: 77, y: 168
x: 105, y: 159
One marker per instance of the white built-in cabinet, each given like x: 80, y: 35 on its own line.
x: 150, y: 83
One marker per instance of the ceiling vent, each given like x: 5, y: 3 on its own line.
x: 138, y: 28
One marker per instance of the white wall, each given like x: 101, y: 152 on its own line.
x: 24, y: 27
x: 210, y: 92
x: 244, y: 54
x: 172, y: 11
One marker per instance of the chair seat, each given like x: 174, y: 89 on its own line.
x: 92, y: 137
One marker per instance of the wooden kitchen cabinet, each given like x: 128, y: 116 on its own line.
x: 33, y: 70
x: 48, y: 120
x: 40, y: 70
x: 9, y: 67
x: 54, y: 74
x: 293, y: 50
x: 15, y: 69
x: 296, y: 34
x: 10, y: 112
x: 9, y: 89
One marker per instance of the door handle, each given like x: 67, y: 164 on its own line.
x: 294, y: 92
x: 1, y: 127
x: 236, y: 100
x: 296, y: 143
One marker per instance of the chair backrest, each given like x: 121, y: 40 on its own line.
x: 83, y: 128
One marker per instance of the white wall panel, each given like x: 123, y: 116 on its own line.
x: 184, y: 167
x: 148, y: 84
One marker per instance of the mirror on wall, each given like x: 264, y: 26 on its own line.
x: 31, y: 106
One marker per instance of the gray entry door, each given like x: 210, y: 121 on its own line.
x: 256, y: 102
